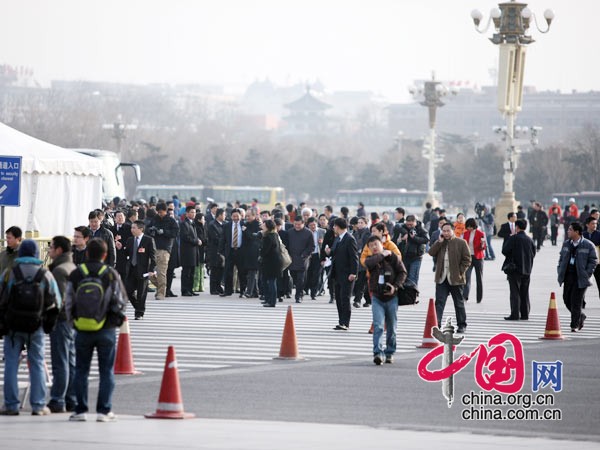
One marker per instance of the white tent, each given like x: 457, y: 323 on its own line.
x: 59, y: 187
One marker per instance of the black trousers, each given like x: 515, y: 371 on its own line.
x: 235, y: 260
x: 187, y: 279
x: 553, y: 234
x: 573, y: 297
x: 216, y: 276
x: 539, y: 234
x: 137, y: 290
x: 519, y: 295
x: 298, y: 277
x: 283, y: 284
x: 313, y: 275
x: 476, y: 264
x: 361, y: 288
x: 343, y: 291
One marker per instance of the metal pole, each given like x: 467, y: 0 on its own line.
x: 509, y: 162
x: 431, y: 167
x: 2, y: 222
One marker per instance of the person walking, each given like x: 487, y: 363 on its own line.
x: 477, y: 243
x: 270, y: 261
x: 452, y: 259
x: 344, y: 267
x: 103, y: 339
x: 519, y: 251
x: 576, y: 265
x: 387, y: 278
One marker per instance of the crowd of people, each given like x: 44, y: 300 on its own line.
x: 128, y: 250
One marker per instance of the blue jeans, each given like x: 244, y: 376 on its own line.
x: 270, y: 290
x: 384, y: 312
x: 104, y: 342
x: 14, y: 343
x: 441, y: 295
x: 489, y: 250
x: 62, y: 353
x: 413, y: 267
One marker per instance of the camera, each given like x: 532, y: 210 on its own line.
x: 152, y: 231
x: 479, y: 209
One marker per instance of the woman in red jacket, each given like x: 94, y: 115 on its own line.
x: 476, y: 240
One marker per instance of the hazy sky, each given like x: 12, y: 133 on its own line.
x: 378, y: 45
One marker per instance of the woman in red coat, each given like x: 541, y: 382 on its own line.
x: 476, y: 240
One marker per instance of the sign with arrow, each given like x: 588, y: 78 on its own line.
x: 10, y: 181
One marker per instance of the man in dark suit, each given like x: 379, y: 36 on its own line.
x: 509, y: 228
x: 344, y: 267
x: 141, y: 261
x: 214, y: 258
x: 188, y: 254
x: 122, y: 232
x: 232, y: 247
x: 520, y: 250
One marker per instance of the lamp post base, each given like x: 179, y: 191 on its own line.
x: 431, y: 198
x: 506, y: 204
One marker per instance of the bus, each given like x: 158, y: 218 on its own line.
x: 267, y: 196
x: 581, y: 198
x: 379, y: 200
x: 113, y: 184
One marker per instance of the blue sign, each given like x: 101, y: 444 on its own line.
x: 10, y: 181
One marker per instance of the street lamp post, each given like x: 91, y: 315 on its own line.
x: 511, y: 21
x: 118, y: 128
x: 432, y: 91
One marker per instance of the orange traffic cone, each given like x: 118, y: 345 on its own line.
x: 552, y: 322
x: 124, y: 359
x: 428, y: 340
x: 170, y: 405
x: 289, y: 344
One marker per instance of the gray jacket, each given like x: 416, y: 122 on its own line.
x: 585, y: 262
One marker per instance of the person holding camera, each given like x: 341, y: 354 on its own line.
x: 412, y: 242
x: 387, y: 276
x: 164, y: 229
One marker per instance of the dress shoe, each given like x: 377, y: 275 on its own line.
x: 170, y: 294
x: 312, y: 297
x: 268, y: 305
x: 330, y: 300
x: 583, y: 317
x: 225, y: 295
x: 280, y: 299
x: 55, y: 409
x: 461, y: 330
x: 366, y: 305
x: 298, y: 300
x: 187, y: 294
x: 195, y: 295
x: 511, y: 318
x: 356, y: 304
x: 138, y: 317
x: 341, y: 327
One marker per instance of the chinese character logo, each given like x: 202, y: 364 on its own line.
x: 499, y: 366
x: 546, y: 374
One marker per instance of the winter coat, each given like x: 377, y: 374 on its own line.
x: 520, y: 249
x: 586, y: 260
x: 61, y: 268
x: 479, y: 243
x: 379, y: 265
x: 414, y: 247
x: 214, y: 236
x: 251, y: 250
x: 188, y: 244
x: 201, y: 250
x: 300, y: 247
x: 459, y: 257
x: 270, y: 255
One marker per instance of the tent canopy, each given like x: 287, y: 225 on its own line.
x: 59, y: 187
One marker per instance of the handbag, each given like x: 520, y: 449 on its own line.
x: 408, y: 294
x: 285, y: 260
x: 509, y: 267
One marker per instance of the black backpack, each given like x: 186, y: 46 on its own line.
x: 25, y: 308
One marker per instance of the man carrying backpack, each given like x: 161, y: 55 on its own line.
x: 95, y: 302
x: 29, y: 305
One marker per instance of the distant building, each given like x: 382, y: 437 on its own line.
x: 473, y: 112
x: 307, y: 115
